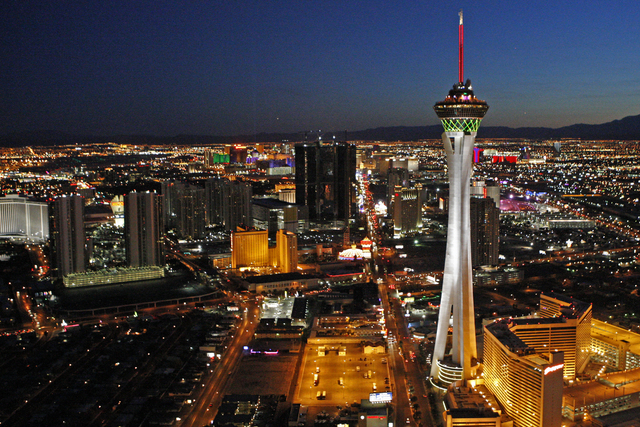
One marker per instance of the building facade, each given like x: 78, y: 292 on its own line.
x: 527, y: 384
x: 144, y: 229
x: 23, y: 219
x: 250, y: 249
x: 228, y: 203
x: 407, y: 211
x: 68, y: 235
x: 485, y: 231
x: 184, y: 209
x: 325, y: 180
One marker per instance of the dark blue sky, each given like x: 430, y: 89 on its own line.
x: 239, y: 67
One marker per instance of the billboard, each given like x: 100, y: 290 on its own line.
x: 380, y: 397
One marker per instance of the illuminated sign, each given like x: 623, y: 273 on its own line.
x: 380, y: 397
x: 550, y: 369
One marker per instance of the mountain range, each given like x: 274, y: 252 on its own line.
x: 627, y: 128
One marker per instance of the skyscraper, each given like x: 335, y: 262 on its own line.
x: 485, y: 236
x: 184, y: 209
x: 407, y: 210
x: 325, y: 178
x: 228, y: 203
x: 144, y: 230
x: 460, y: 114
x: 528, y: 384
x: 68, y: 235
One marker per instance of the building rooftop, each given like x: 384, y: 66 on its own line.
x: 272, y: 203
x: 269, y: 278
x: 500, y: 329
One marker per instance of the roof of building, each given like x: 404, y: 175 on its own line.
x: 272, y: 203
x: 576, y: 308
x: 500, y: 329
x: 269, y: 278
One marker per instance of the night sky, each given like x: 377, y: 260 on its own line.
x: 222, y: 67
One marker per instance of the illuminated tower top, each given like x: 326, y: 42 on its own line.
x: 461, y: 111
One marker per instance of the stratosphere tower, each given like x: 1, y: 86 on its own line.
x: 460, y: 114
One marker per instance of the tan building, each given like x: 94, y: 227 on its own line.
x: 250, y: 249
x: 527, y: 384
x: 286, y: 259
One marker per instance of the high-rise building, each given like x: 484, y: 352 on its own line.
x: 191, y: 213
x: 23, y: 219
x: 228, y: 203
x: 69, y: 235
x: 213, y: 158
x: 144, y: 230
x: 170, y: 191
x: 407, y: 211
x: 460, y: 114
x: 573, y: 335
x: 521, y: 364
x: 213, y: 200
x: 274, y: 215
x: 286, y: 259
x: 485, y: 231
x: 396, y: 176
x: 237, y: 153
x: 486, y: 189
x: 325, y: 180
x: 527, y: 384
x: 184, y: 209
x: 250, y: 249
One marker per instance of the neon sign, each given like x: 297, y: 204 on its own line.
x: 550, y: 369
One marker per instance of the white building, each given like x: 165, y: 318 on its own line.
x: 23, y: 220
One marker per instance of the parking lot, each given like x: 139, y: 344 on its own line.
x: 342, y: 379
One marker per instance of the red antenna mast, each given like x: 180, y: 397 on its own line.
x: 460, y: 49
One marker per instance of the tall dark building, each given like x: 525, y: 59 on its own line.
x: 144, y: 231
x: 184, y: 208
x: 228, y: 203
x: 395, y: 176
x: 68, y: 235
x: 325, y: 179
x: 213, y: 200
x: 485, y: 231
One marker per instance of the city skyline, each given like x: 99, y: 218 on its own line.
x: 246, y: 68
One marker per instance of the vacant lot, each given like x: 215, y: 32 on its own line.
x: 261, y: 374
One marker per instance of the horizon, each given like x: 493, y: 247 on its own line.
x: 250, y: 68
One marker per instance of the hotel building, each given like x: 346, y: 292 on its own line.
x: 69, y: 235
x: 527, y: 384
x: 23, y: 219
x: 144, y: 229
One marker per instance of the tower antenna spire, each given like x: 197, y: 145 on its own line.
x: 460, y: 49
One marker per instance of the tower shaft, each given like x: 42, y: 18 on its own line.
x: 457, y: 285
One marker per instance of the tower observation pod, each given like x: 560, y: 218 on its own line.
x: 460, y: 114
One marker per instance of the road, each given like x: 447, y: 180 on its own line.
x: 406, y: 373
x: 207, y: 405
